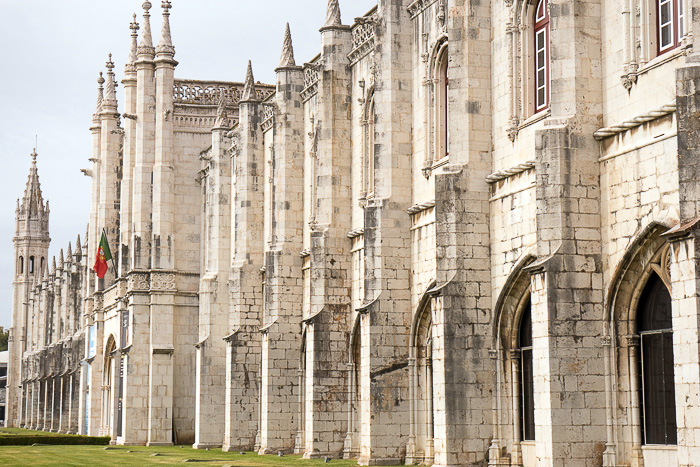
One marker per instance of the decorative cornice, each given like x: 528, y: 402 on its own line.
x: 418, y: 7
x: 311, y: 78
x: 363, y: 37
x: 635, y: 122
x: 268, y: 117
x: 507, y: 173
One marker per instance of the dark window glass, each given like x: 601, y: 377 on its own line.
x: 527, y: 390
x: 658, y: 394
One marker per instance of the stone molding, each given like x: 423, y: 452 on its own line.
x: 639, y: 120
x: 510, y: 172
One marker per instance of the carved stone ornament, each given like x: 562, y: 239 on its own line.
x: 162, y: 281
x: 138, y: 281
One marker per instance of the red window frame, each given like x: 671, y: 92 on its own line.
x: 674, y: 23
x: 541, y: 56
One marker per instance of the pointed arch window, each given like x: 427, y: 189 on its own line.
x: 442, y: 111
x: 542, y: 72
x: 21, y: 264
x: 527, y: 390
x: 656, y: 364
x: 370, y: 151
x: 31, y: 265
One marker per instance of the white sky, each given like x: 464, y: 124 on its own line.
x: 51, y: 52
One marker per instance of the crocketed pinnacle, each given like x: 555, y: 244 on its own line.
x: 100, y: 98
x: 145, y: 49
x: 133, y: 50
x: 221, y: 114
x: 110, y: 98
x: 32, y: 205
x: 69, y: 253
x: 165, y: 45
x: 332, y: 14
x: 287, y: 59
x: 78, y: 248
x: 248, y: 88
x: 53, y: 266
x: 61, y: 260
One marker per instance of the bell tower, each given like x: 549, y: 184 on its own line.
x: 31, y: 242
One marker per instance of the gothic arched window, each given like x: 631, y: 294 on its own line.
x: 370, y: 159
x: 527, y: 390
x: 441, y: 104
x: 656, y: 362
x: 542, y: 75
x: 21, y: 264
x: 31, y: 265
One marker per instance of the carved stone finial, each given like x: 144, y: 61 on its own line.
x: 34, y: 154
x: 110, y: 97
x: 221, y: 114
x: 100, y: 98
x: 248, y: 88
x: 332, y: 14
x: 146, y: 46
x: 165, y: 45
x: 287, y: 59
x: 133, y: 50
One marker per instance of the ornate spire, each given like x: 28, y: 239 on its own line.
x: 165, y: 45
x: 332, y: 14
x: 287, y: 59
x: 133, y: 51
x: 146, y: 46
x: 100, y: 98
x: 110, y: 98
x: 221, y: 114
x: 53, y: 266
x: 248, y: 89
x: 32, y: 201
x: 61, y: 260
x: 69, y: 253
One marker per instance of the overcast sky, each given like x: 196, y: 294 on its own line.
x: 51, y: 52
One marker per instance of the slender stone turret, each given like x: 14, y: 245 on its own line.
x: 145, y: 146
x: 110, y: 144
x: 31, y: 244
x: 162, y: 310
x: 94, y: 173
x: 130, y: 83
x: 328, y: 310
x: 284, y: 157
x: 214, y: 288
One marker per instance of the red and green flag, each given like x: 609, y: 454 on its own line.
x: 103, y: 255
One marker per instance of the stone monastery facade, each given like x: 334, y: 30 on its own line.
x: 464, y: 234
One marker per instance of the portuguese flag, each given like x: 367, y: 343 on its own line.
x: 103, y: 255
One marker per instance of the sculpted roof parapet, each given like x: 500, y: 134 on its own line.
x: 188, y: 91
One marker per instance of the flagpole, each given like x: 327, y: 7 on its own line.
x: 116, y: 271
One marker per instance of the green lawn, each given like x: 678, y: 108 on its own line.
x: 114, y: 456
